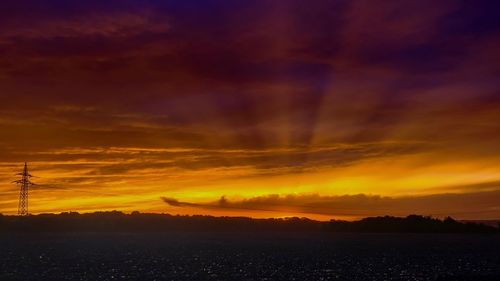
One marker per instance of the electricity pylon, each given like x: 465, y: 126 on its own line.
x: 25, y: 183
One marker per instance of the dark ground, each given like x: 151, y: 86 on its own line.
x: 264, y: 256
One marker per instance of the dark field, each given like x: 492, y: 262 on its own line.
x: 262, y: 256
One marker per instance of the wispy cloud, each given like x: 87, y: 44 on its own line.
x: 108, y: 25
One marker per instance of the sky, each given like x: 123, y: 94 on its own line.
x: 319, y: 109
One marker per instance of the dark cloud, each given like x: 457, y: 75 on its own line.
x: 236, y: 67
x: 474, y: 187
x: 177, y: 203
x: 102, y: 161
x: 463, y: 205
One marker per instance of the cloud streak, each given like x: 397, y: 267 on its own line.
x: 460, y: 205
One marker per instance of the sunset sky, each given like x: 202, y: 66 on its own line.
x: 320, y: 109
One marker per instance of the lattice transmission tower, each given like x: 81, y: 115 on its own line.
x: 25, y: 183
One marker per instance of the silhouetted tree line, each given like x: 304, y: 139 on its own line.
x: 411, y: 223
x: 140, y: 222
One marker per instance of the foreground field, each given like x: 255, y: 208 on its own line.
x: 263, y: 256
